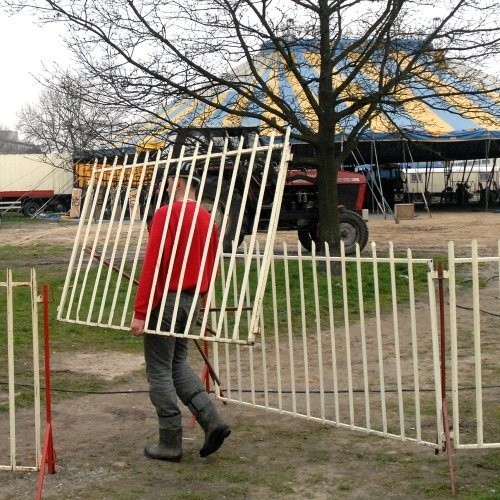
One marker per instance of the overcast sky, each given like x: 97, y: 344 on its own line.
x: 25, y: 49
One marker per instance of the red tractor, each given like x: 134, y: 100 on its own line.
x: 351, y: 191
x: 299, y: 208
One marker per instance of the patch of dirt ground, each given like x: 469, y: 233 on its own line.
x: 99, y: 438
x: 427, y: 232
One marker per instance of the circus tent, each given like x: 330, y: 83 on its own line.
x: 418, y: 125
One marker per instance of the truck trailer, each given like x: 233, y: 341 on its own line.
x: 34, y: 182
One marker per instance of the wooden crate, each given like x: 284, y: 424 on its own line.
x: 404, y: 210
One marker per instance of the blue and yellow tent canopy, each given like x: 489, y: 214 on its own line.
x: 435, y: 109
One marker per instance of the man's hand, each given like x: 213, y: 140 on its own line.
x: 137, y: 327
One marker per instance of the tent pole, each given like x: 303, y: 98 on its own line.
x: 384, y: 201
x: 374, y: 195
x: 426, y: 205
x: 372, y: 183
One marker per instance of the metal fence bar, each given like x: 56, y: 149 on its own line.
x: 319, y: 343
x: 380, y: 350
x: 251, y: 352
x: 414, y: 343
x: 276, y: 335
x: 397, y: 350
x: 477, y: 344
x: 304, y: 337
x: 347, y: 334
x: 332, y: 337
x: 453, y: 342
x: 291, y: 350
x: 262, y: 334
x: 431, y: 276
x: 36, y: 366
x: 362, y: 325
x: 10, y: 362
x: 10, y: 301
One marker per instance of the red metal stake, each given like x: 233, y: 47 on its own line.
x: 48, y: 452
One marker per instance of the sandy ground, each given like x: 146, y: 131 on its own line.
x: 427, y: 232
x: 99, y: 438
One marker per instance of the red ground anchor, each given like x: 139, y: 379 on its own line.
x: 48, y: 453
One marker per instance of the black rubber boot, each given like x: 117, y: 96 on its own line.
x: 168, y: 448
x: 215, y: 433
x: 216, y: 430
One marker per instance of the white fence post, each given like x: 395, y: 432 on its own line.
x: 10, y: 307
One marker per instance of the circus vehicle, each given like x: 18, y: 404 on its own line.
x: 31, y: 183
x: 299, y: 208
x: 460, y: 183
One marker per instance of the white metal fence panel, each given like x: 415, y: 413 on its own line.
x: 347, y: 341
x: 22, y: 349
x: 111, y: 238
x: 474, y: 299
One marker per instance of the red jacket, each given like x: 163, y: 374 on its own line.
x: 194, y: 258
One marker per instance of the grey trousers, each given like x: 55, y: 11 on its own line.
x: 167, y: 370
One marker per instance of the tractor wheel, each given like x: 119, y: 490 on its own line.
x: 353, y: 229
x: 232, y: 222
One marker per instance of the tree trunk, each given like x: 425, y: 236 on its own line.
x: 329, y: 230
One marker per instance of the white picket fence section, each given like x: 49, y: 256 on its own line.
x: 332, y: 349
x: 25, y: 443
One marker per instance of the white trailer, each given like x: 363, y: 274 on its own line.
x: 461, y: 182
x: 35, y: 182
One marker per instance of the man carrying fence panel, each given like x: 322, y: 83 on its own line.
x: 175, y: 265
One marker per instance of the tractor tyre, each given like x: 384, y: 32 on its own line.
x: 353, y: 229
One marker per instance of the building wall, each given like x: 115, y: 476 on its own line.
x: 10, y: 144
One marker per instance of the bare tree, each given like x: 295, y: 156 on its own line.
x: 66, y: 121
x: 370, y: 59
